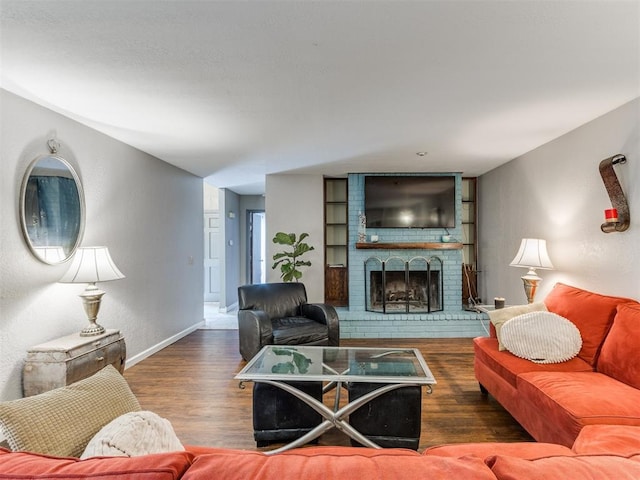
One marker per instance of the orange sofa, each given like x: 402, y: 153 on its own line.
x: 600, y: 452
x: 600, y: 386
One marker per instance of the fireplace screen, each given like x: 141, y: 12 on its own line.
x: 399, y: 286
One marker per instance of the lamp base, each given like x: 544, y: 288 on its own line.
x: 92, y: 329
x: 530, y: 281
x: 91, y: 298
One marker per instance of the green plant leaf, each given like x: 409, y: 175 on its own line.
x: 286, y: 367
x: 302, y: 362
x: 288, y: 260
x: 284, y: 238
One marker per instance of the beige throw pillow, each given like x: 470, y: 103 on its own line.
x: 134, y: 434
x: 61, y: 422
x: 502, y: 315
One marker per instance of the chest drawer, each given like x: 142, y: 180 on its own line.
x: 69, y: 359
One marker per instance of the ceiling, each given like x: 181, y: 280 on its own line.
x: 236, y: 90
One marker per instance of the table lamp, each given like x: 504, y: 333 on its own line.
x: 532, y: 254
x: 91, y: 265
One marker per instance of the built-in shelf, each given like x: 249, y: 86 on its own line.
x: 336, y: 241
x: 410, y: 246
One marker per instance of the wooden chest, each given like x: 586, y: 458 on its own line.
x: 68, y: 359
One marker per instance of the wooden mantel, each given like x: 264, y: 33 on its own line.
x: 410, y: 246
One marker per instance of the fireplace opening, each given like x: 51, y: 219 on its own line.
x: 398, y: 286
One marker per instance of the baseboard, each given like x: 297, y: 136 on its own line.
x: 165, y: 343
x: 229, y: 308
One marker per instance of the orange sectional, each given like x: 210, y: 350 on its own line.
x: 600, y: 452
x: 553, y: 402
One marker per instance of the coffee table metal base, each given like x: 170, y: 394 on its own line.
x: 336, y: 417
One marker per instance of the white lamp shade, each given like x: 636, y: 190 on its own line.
x: 90, y: 265
x: 532, y: 254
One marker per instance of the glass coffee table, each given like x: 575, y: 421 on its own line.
x: 387, y: 369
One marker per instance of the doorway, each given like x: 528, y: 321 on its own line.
x: 212, y: 256
x: 256, y: 243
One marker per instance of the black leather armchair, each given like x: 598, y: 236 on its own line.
x: 278, y: 314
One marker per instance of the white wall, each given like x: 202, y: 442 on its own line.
x: 211, y: 197
x: 146, y: 211
x: 294, y: 205
x: 230, y: 267
x: 555, y: 192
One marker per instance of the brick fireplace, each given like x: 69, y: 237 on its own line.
x: 397, y: 247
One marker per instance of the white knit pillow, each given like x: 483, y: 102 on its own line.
x: 542, y: 337
x: 132, y: 435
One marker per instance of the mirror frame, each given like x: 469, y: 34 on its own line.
x: 23, y: 220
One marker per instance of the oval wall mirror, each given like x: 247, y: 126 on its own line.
x: 52, y: 208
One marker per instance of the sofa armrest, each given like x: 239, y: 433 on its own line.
x: 254, y: 331
x: 492, y: 330
x: 323, y: 313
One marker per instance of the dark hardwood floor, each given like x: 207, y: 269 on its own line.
x: 191, y: 384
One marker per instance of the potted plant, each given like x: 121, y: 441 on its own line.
x: 289, y: 260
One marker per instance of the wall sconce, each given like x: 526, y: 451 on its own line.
x: 532, y: 254
x: 617, y: 219
x: 91, y: 265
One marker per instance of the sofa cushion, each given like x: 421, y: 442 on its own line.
x: 299, y: 330
x: 571, y: 400
x: 596, y: 467
x: 132, y: 435
x: 500, y: 316
x: 508, y: 366
x: 542, y: 337
x: 591, y: 312
x: 166, y: 466
x: 334, y: 462
x: 62, y: 421
x: 619, y: 356
x: 608, y: 440
x: 528, y: 450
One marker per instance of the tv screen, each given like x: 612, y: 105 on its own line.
x: 410, y: 201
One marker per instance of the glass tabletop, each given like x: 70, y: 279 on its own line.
x: 338, y: 364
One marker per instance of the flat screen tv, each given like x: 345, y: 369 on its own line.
x: 404, y: 201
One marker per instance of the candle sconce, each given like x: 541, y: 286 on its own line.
x: 617, y: 218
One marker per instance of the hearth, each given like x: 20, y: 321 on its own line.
x: 396, y: 285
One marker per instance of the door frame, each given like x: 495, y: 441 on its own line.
x: 250, y: 241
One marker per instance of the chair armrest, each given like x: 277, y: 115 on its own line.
x: 254, y: 332
x: 323, y: 313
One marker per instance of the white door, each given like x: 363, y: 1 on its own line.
x: 212, y: 251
